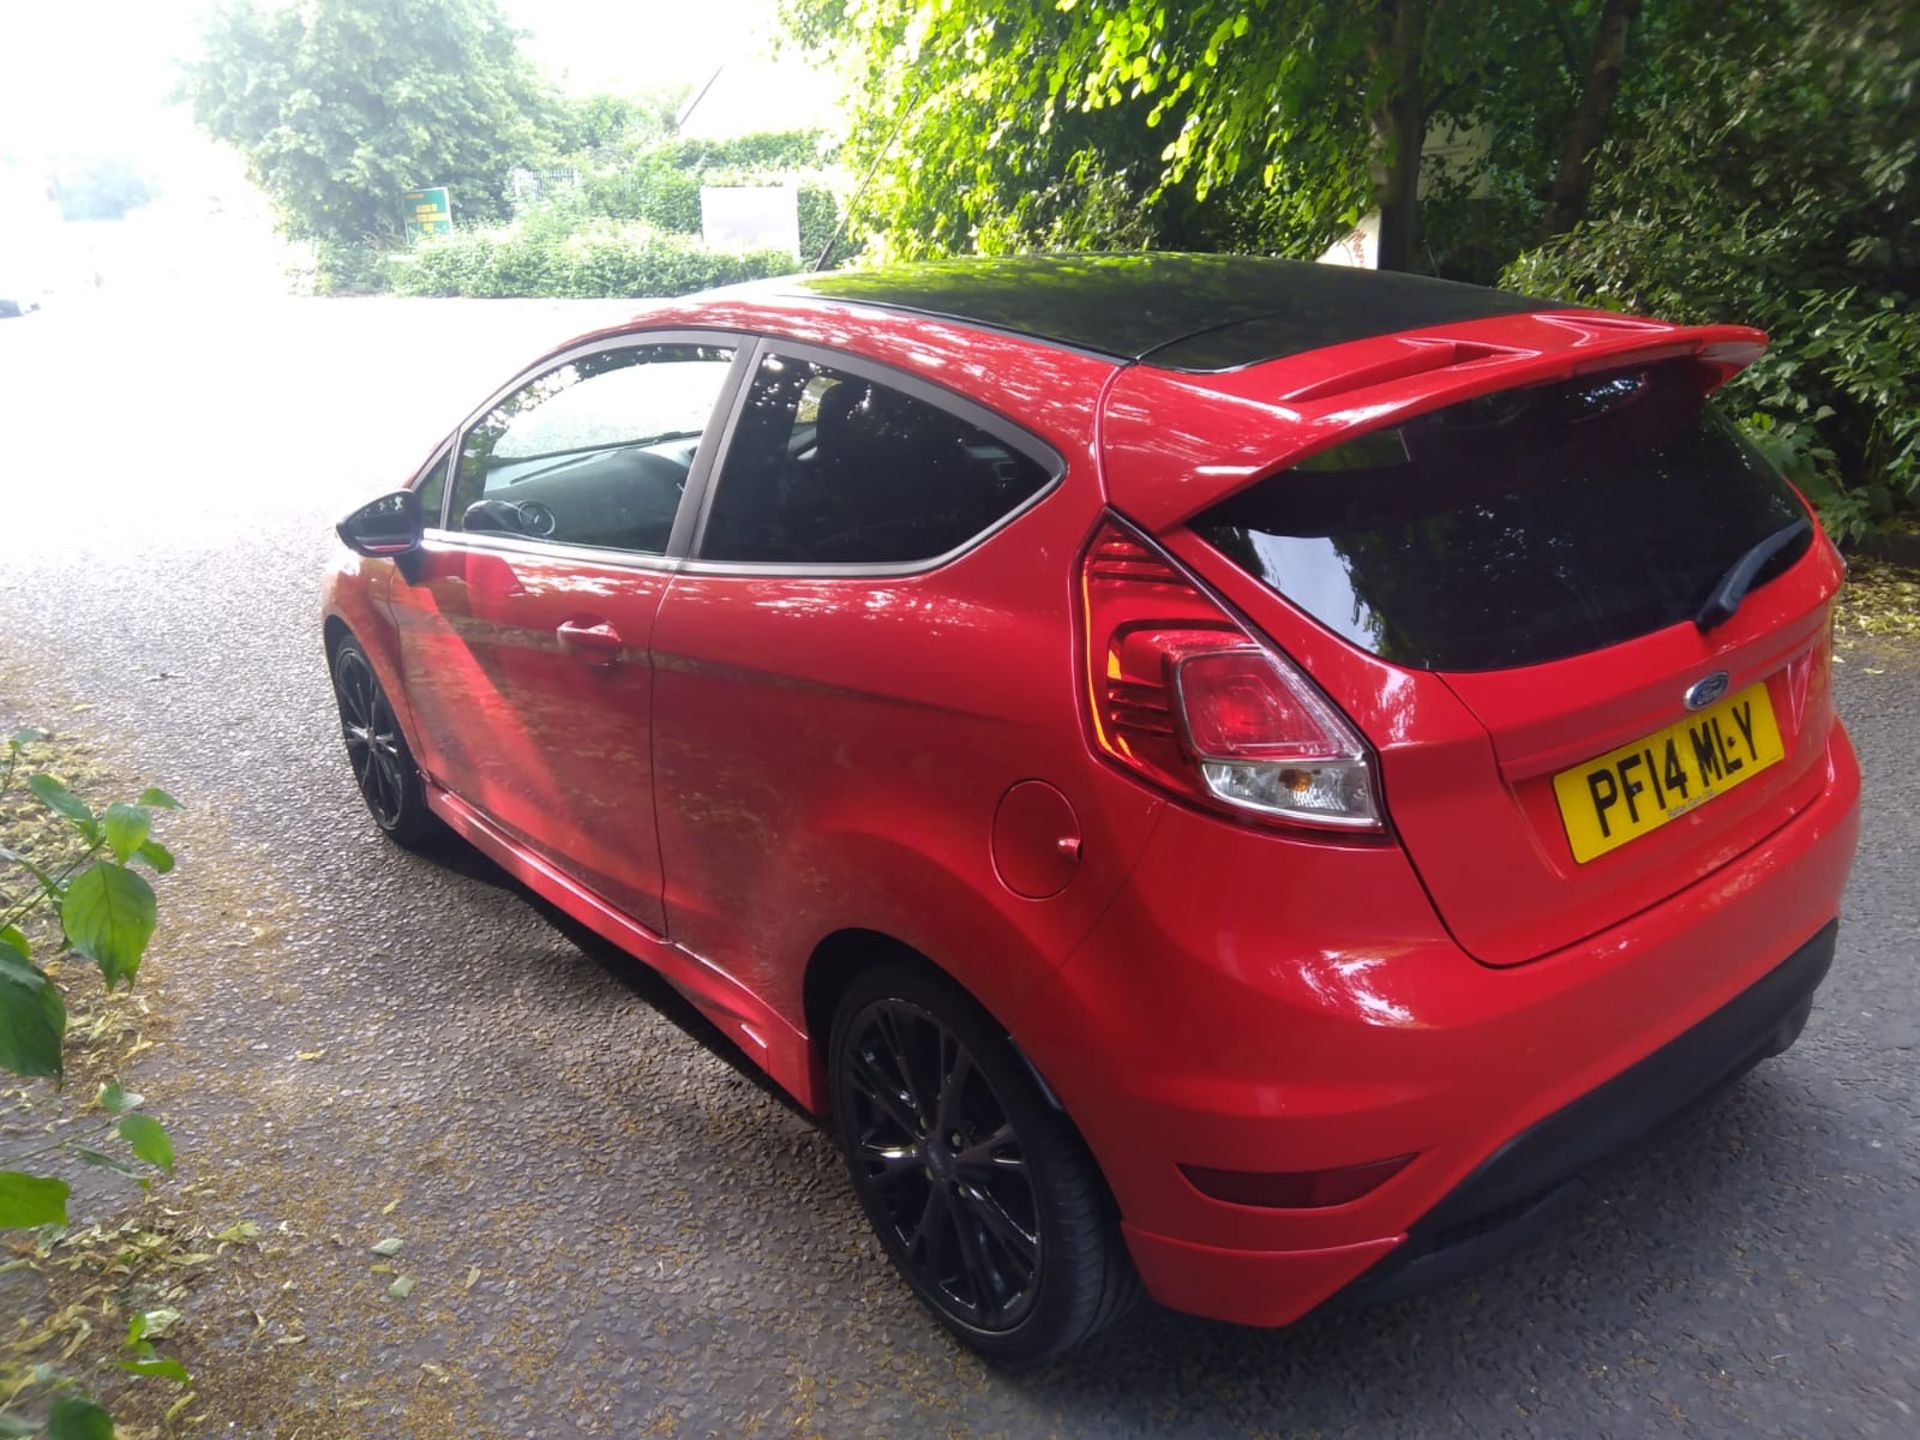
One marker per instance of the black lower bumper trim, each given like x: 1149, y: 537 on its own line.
x: 1523, y: 1186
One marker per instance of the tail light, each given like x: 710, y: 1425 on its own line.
x: 1183, y: 695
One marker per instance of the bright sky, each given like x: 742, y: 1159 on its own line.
x: 93, y: 75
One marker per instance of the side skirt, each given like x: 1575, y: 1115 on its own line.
x: 768, y: 1039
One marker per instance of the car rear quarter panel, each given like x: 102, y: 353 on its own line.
x: 832, y: 748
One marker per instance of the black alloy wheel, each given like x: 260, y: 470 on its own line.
x: 981, y: 1191
x: 383, y: 766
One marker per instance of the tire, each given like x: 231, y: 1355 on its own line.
x: 383, y: 766
x: 1009, y: 1236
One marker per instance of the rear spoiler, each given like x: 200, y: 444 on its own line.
x: 1174, y: 443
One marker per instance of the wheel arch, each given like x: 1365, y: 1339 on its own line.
x: 841, y: 958
x: 332, y: 632
x: 366, y: 629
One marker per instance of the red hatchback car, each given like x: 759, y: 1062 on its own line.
x: 1221, y: 774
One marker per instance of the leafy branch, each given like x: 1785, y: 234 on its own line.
x: 105, y: 911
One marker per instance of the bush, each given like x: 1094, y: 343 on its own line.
x: 604, y: 260
x: 663, y: 195
x: 661, y: 184
x: 819, y: 219
x: 1772, y: 185
x: 73, y: 885
x: 342, y: 268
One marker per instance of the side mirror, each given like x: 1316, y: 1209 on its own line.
x: 385, y: 527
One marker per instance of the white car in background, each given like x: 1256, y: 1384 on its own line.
x: 22, y: 287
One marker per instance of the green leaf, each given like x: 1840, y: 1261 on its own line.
x: 156, y: 855
x: 113, y: 1098
x: 389, y: 1247
x: 33, y: 1018
x: 103, y: 1161
x: 25, y: 735
x: 108, y: 914
x: 401, y: 1288
x: 14, y: 936
x: 58, y: 798
x: 73, y: 1417
x: 156, y: 1324
x: 159, y: 799
x: 149, y: 1140
x: 30, y: 1200
x: 153, y: 1363
x: 127, y: 827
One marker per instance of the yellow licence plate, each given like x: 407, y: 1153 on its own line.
x: 1623, y: 794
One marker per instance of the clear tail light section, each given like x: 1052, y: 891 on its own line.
x: 1183, y: 695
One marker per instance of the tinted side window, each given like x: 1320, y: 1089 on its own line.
x: 827, y: 467
x: 594, y: 452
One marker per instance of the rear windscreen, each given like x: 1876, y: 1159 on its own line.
x: 1522, y: 527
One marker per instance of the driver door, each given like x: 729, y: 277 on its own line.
x: 524, y: 628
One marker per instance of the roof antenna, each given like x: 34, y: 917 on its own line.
x: 686, y: 111
x: 820, y: 260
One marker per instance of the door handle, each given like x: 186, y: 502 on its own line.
x: 593, y: 641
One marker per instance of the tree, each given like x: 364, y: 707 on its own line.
x: 339, y: 106
x: 99, y: 187
x: 602, y: 122
x: 1568, y: 202
x: 1277, y: 121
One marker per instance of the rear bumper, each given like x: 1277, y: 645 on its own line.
x: 1238, y: 1008
x: 1507, y: 1201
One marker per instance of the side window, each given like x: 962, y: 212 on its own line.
x: 594, y: 452
x: 830, y: 468
x: 432, y: 491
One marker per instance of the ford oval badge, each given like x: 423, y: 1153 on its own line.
x: 1704, y: 691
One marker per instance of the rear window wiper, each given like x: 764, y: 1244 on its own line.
x: 1733, y: 586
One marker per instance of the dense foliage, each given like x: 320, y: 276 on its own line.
x: 1754, y: 163
x: 1267, y: 124
x: 1771, y: 175
x: 340, y: 106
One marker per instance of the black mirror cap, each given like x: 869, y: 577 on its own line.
x: 385, y: 528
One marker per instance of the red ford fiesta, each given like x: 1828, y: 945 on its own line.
x: 1231, y: 776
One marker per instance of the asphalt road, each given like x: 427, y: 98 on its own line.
x: 613, y: 1230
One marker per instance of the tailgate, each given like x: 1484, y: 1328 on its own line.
x: 1500, y: 566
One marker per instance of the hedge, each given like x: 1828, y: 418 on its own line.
x: 661, y: 194
x: 630, y: 260
x: 765, y: 150
x: 669, y: 199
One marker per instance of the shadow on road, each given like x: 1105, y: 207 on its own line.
x: 634, y: 976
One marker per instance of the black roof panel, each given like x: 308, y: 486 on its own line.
x: 1186, y: 312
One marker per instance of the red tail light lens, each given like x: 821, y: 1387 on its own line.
x: 1183, y: 695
